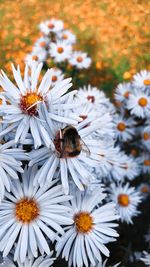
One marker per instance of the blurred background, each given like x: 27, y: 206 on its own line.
x: 114, y: 33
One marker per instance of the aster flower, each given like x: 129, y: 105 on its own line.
x: 28, y: 215
x: 122, y: 92
x: 80, y: 60
x: 145, y: 135
x: 42, y: 43
x: 42, y: 261
x: 51, y: 26
x: 144, y: 161
x: 10, y: 164
x: 37, y: 55
x: 125, y: 128
x: 126, y: 199
x: 67, y: 36
x: 139, y: 103
x: 73, y: 149
x: 60, y: 51
x: 85, y: 239
x: 142, y: 79
x: 92, y: 95
x: 144, y: 189
x: 23, y: 115
x: 146, y: 258
x: 57, y: 76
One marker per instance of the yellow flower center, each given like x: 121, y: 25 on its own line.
x: 126, y: 94
x: 145, y: 189
x: 83, y: 222
x: 35, y: 58
x: 79, y: 59
x: 43, y: 44
x: 91, y: 98
x: 121, y: 126
x: 28, y: 103
x: 26, y: 210
x: 147, y: 162
x: 60, y: 50
x: 143, y: 102
x: 147, y: 82
x: 123, y: 200
x: 146, y: 136
x: 65, y: 36
x: 54, y: 78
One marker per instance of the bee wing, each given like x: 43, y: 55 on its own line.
x: 85, y: 147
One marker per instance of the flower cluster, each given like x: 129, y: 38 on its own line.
x: 56, y: 43
x: 68, y: 159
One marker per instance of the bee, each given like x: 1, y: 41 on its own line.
x: 69, y: 142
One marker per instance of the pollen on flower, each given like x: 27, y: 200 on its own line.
x: 123, y: 200
x: 147, y: 162
x: 146, y: 136
x: 26, y: 210
x: 83, y: 117
x: 146, y: 82
x: 83, y: 222
x: 28, y: 103
x: 91, y: 98
x: 79, y: 59
x: 60, y: 50
x: 121, y: 126
x: 143, y: 102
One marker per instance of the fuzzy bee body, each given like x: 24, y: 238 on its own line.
x: 71, y: 142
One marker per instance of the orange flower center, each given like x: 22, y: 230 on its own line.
x: 143, y: 102
x: 83, y: 222
x: 126, y: 94
x: 123, y: 200
x: 146, y: 136
x: 35, y: 58
x: 54, y: 78
x: 121, y: 126
x: 43, y: 44
x: 91, y: 98
x: 28, y: 103
x: 79, y: 59
x: 65, y: 36
x: 147, y: 162
x: 144, y: 189
x: 147, y: 82
x: 50, y: 25
x: 60, y: 50
x: 26, y: 210
x: 134, y: 152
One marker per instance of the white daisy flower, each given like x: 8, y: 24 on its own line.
x: 139, y: 103
x: 144, y: 160
x: 10, y: 164
x: 126, y: 199
x: 60, y: 51
x: 67, y: 36
x: 124, y: 128
x: 122, y: 92
x: 42, y: 261
x: 71, y: 152
x: 145, y: 135
x: 57, y: 76
x: 146, y: 258
x: 51, y: 26
x: 80, y: 60
x: 37, y: 55
x: 22, y: 115
x: 142, y: 79
x: 85, y: 240
x: 144, y: 189
x: 42, y: 43
x: 30, y: 214
x: 92, y: 95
